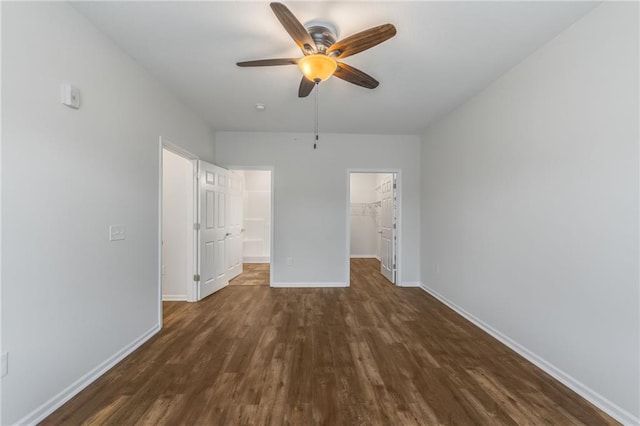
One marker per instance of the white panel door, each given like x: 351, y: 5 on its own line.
x: 235, y: 224
x: 213, y: 230
x: 388, y: 221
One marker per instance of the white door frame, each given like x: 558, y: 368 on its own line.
x: 398, y: 173
x: 272, y: 206
x: 193, y: 159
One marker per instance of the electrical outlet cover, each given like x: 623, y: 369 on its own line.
x: 70, y: 96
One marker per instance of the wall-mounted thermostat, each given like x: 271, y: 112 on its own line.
x: 70, y: 96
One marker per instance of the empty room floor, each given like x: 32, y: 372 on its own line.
x: 252, y: 274
x: 371, y: 354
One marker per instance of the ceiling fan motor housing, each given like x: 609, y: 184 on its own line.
x: 323, y: 34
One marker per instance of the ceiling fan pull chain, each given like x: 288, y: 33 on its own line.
x: 315, y: 141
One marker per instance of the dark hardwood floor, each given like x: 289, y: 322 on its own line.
x: 253, y: 274
x: 371, y: 354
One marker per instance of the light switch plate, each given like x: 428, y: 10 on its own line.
x: 117, y: 232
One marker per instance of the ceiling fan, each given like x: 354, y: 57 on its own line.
x: 321, y: 51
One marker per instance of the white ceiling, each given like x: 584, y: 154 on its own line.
x: 443, y: 54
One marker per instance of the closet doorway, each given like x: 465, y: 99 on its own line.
x: 257, y: 202
x: 178, y: 214
x: 373, y: 220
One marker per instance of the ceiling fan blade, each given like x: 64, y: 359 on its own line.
x: 295, y: 29
x: 361, y: 41
x: 355, y: 76
x: 306, y: 86
x: 268, y: 62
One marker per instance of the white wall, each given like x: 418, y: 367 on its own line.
x: 530, y: 207
x: 177, y: 226
x: 257, y: 216
x: 72, y: 300
x: 365, y: 215
x: 310, y: 192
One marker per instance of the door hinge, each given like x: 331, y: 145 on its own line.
x: 196, y: 226
x: 394, y: 185
x: 394, y: 226
x: 196, y: 277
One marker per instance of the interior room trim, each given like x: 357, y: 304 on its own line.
x: 581, y: 389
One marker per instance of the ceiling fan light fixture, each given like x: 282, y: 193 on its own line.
x: 317, y: 40
x: 317, y: 67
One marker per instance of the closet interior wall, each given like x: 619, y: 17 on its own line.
x: 365, y: 201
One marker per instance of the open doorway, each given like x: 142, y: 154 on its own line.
x: 373, y: 220
x: 256, y: 228
x: 178, y: 241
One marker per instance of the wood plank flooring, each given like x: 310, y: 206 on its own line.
x: 371, y: 354
x: 252, y: 274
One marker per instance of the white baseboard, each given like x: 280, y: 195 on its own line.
x: 581, y: 389
x: 256, y: 259
x: 174, y: 298
x: 364, y: 256
x: 308, y: 285
x: 409, y: 284
x: 73, y: 389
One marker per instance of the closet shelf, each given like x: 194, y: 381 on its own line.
x: 365, y: 209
